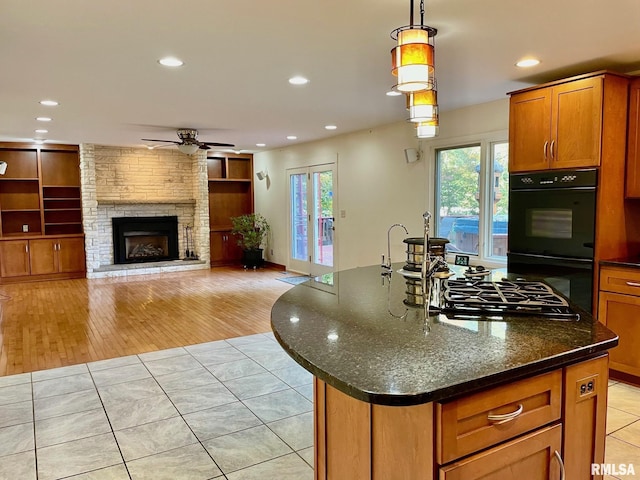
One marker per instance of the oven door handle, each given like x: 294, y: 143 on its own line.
x: 554, y: 257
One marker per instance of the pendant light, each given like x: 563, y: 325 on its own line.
x: 412, y: 60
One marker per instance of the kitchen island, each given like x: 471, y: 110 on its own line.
x: 401, y: 394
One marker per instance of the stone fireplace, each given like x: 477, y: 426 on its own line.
x: 139, y: 183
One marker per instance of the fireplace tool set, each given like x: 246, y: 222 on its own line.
x: 190, y: 253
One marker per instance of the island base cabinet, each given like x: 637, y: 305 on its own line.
x: 584, y: 417
x: 535, y: 456
x: 357, y: 440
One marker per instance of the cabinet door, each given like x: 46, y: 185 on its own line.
x: 529, y: 129
x: 633, y: 142
x: 71, y: 255
x: 576, y: 124
x: 14, y: 258
x: 531, y: 457
x: 621, y: 313
x: 224, y: 248
x: 43, y: 256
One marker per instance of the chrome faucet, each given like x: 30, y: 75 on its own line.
x: 387, y: 265
x: 429, y: 265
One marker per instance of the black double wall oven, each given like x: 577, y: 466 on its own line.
x: 552, y: 229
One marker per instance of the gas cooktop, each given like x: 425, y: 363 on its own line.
x: 505, y: 297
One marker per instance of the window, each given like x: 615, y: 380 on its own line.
x: 472, y: 198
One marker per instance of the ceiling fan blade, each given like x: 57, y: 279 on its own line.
x: 155, y: 140
x: 216, y: 144
x: 204, y: 146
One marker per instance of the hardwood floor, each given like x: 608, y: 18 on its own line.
x: 58, y: 323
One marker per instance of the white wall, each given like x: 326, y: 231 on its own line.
x: 376, y: 187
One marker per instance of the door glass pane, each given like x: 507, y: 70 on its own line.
x: 458, y: 197
x: 299, y: 215
x: 500, y: 195
x: 323, y: 218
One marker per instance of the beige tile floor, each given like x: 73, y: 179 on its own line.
x: 238, y: 409
x: 623, y: 428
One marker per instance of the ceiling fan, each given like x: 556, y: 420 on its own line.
x: 189, y: 142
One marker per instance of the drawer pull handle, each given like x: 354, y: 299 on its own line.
x: 633, y: 284
x: 505, y: 417
x: 562, y: 472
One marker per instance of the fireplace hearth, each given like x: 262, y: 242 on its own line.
x: 145, y: 239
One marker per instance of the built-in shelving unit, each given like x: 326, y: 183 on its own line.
x: 40, y: 199
x: 230, y: 195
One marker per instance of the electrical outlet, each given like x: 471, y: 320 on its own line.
x: 343, y: 213
x: 25, y: 228
x: 586, y: 387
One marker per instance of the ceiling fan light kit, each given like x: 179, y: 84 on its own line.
x: 188, y: 149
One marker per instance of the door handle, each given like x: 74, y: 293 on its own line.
x: 551, y: 149
x: 544, y: 149
x: 633, y: 284
x: 557, y: 455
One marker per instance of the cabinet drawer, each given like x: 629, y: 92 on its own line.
x: 530, y: 457
x: 620, y: 280
x: 473, y: 423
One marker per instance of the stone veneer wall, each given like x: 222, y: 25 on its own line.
x: 118, y: 181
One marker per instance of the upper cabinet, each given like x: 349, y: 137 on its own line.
x: 633, y: 138
x: 560, y: 124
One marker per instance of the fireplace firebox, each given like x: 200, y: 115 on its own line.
x: 145, y: 239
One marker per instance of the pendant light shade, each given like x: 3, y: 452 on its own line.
x: 427, y: 129
x: 412, y: 60
x: 423, y: 105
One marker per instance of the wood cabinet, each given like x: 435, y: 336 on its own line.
x: 561, y: 425
x: 619, y: 309
x: 478, y: 421
x: 14, y: 258
x: 230, y: 195
x: 224, y: 248
x: 633, y: 141
x: 561, y: 124
x: 533, y: 457
x: 57, y: 255
x: 40, y: 213
x: 42, y: 258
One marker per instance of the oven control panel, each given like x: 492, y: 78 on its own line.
x: 554, y: 179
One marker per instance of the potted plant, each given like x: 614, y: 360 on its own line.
x: 251, y: 230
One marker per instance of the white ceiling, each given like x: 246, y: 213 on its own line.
x: 99, y: 60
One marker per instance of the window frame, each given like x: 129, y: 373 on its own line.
x: 486, y: 142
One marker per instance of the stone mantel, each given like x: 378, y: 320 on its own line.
x: 157, y: 201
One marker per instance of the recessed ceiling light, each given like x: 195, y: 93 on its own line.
x: 41, y: 130
x: 171, y: 62
x: 291, y: 137
x: 393, y: 93
x: 330, y: 127
x: 261, y: 144
x: 528, y: 62
x: 43, y: 119
x: 298, y: 80
x: 49, y: 103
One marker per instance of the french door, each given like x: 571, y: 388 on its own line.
x: 311, y: 219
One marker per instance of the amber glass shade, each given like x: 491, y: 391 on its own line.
x: 423, y: 105
x: 412, y: 60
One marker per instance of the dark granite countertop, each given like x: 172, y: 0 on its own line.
x: 631, y: 262
x: 352, y: 330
